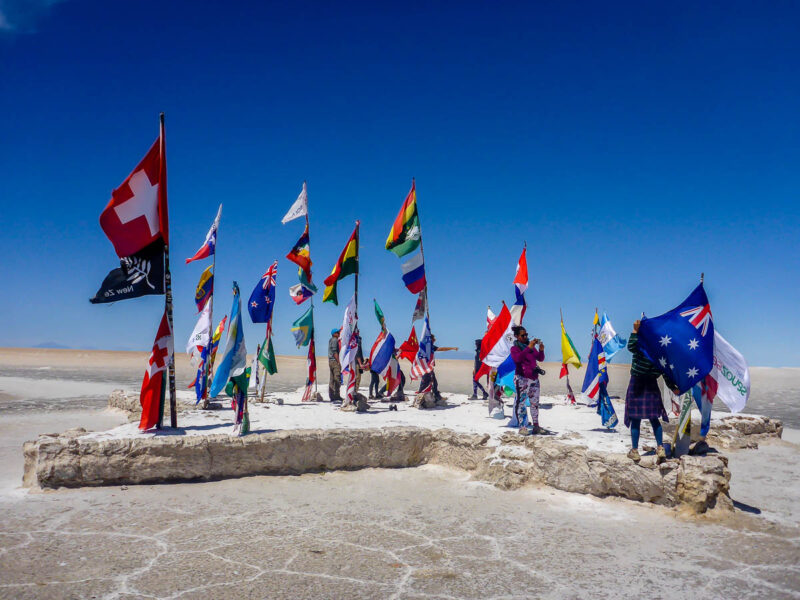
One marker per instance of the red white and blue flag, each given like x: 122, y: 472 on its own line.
x: 520, y: 285
x: 209, y: 246
x: 424, y: 361
x: 414, y: 274
x: 262, y: 300
x: 681, y: 342
x: 596, y: 370
x: 382, y: 353
x: 496, y: 344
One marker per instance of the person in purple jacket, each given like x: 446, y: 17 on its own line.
x: 526, y: 356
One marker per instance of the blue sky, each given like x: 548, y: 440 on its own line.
x: 632, y: 145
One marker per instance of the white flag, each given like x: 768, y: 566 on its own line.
x: 731, y: 373
x: 201, y: 333
x: 348, y: 341
x: 299, y: 208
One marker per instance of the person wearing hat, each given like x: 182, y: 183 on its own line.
x: 335, y: 380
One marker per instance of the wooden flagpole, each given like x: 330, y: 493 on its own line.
x: 162, y: 185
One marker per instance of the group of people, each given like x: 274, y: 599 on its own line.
x: 376, y: 391
x: 643, y: 399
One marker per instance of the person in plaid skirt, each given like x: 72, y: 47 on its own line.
x: 643, y: 399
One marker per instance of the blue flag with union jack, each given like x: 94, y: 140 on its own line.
x: 262, y: 300
x: 681, y: 342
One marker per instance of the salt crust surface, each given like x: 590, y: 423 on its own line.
x: 578, y: 424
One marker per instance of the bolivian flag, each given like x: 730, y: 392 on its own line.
x: 569, y: 355
x: 405, y: 235
x: 346, y: 265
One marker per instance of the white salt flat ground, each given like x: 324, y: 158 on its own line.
x: 573, y: 424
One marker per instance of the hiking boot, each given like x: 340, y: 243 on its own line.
x: 473, y: 397
x: 700, y: 447
x: 633, y: 454
x: 486, y: 396
x: 661, y: 456
x: 536, y: 430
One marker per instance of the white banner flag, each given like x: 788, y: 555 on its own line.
x: 731, y: 373
x: 299, y: 208
x: 201, y: 332
x: 349, y: 343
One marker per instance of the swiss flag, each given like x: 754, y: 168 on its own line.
x: 136, y: 215
x: 153, y: 387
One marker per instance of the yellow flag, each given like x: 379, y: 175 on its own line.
x: 569, y: 356
x: 596, y: 318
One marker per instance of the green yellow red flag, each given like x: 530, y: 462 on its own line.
x: 346, y: 265
x: 569, y: 355
x: 405, y: 235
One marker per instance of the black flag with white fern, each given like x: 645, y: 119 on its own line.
x: 140, y: 274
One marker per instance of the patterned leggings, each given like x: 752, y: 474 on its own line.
x: 527, y: 389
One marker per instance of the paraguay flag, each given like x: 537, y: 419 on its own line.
x: 414, y: 274
x: 520, y: 285
x: 210, y: 244
x: 596, y: 372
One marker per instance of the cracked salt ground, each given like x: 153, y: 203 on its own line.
x: 406, y: 533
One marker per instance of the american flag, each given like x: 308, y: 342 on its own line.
x: 421, y: 366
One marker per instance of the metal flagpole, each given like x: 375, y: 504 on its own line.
x: 313, y: 344
x: 207, y: 367
x: 162, y: 185
x: 422, y: 254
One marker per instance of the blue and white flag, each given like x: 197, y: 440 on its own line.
x: 612, y: 342
x: 424, y: 362
x: 234, y: 360
x: 262, y: 300
x: 681, y: 342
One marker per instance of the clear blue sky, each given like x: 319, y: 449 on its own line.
x: 633, y: 145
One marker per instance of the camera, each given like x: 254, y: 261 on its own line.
x: 540, y: 370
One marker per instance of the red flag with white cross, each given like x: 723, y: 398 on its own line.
x: 153, y: 385
x: 136, y: 215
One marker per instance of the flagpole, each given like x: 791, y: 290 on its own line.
x: 173, y: 416
x: 313, y: 326
x: 422, y: 253
x: 207, y: 367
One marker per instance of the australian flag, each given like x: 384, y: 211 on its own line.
x: 681, y: 342
x: 262, y: 300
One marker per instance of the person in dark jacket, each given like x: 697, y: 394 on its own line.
x: 526, y: 356
x: 475, y: 367
x: 643, y: 399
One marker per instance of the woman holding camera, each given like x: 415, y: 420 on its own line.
x: 526, y: 356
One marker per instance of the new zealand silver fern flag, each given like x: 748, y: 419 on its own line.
x: 140, y: 274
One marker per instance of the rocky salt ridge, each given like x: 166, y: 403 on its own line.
x: 507, y: 460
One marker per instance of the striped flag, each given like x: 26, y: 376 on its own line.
x: 209, y: 246
x: 596, y: 372
x: 520, y: 285
x: 346, y: 265
x: 414, y: 273
x: 424, y: 361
